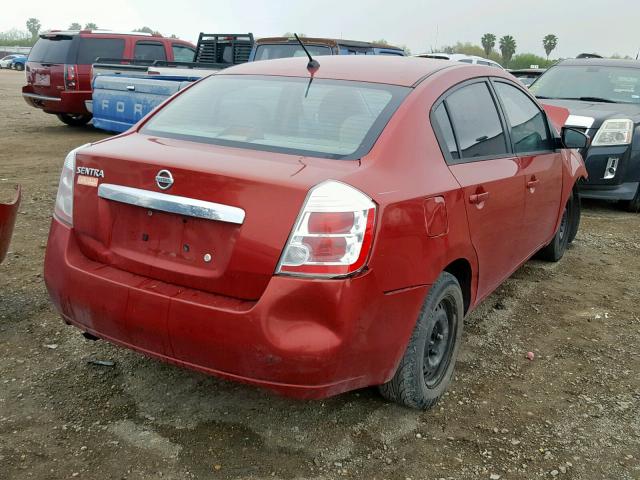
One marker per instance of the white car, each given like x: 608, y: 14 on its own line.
x: 459, y: 57
x: 6, y: 61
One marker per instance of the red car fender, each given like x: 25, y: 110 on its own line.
x: 572, y: 162
x: 8, y: 214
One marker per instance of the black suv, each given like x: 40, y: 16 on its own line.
x: 603, y: 97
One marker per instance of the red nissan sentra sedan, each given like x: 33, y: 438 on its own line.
x: 314, y: 232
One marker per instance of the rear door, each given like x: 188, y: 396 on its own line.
x: 89, y: 49
x: 541, y: 164
x: 45, y: 65
x: 476, y: 145
x: 149, y: 50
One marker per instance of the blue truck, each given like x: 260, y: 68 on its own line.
x: 124, y: 91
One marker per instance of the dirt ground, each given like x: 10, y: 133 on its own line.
x: 572, y: 413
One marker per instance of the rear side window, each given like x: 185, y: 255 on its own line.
x: 476, y: 122
x: 149, y: 51
x: 442, y: 123
x: 90, y: 49
x: 182, y: 53
x: 51, y: 49
x: 325, y: 118
x: 529, y: 131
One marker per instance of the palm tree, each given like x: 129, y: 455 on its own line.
x: 549, y: 42
x: 33, y: 25
x: 488, y: 41
x: 507, y: 48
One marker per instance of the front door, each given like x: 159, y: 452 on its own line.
x: 541, y: 164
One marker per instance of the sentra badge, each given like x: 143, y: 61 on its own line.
x: 88, y: 176
x: 91, y: 172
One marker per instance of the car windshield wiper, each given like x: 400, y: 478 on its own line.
x: 542, y: 97
x: 592, y: 99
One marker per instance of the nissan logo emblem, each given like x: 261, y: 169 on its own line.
x: 164, y: 179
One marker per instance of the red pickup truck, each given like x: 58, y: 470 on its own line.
x: 59, y: 66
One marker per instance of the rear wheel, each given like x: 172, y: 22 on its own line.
x: 427, y: 366
x: 632, y: 205
x: 74, y: 120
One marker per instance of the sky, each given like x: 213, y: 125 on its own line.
x: 421, y: 25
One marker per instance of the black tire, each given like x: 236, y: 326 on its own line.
x: 576, y: 215
x: 74, y: 120
x: 427, y: 366
x: 555, y: 250
x: 632, y: 206
x: 19, y: 67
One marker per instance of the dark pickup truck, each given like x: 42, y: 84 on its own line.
x: 603, y: 97
x: 125, y: 90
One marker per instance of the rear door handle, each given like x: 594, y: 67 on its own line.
x: 533, y: 182
x: 478, y: 197
x: 131, y: 87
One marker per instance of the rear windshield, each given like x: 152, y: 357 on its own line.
x: 51, y: 49
x: 92, y: 48
x: 287, y: 50
x: 324, y: 118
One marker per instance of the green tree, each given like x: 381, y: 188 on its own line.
x: 549, y: 42
x: 507, y: 49
x: 91, y: 26
x: 382, y: 41
x: 33, y: 25
x: 488, y: 41
x: 290, y: 35
x: 75, y: 26
x: 144, y: 30
x: 525, y: 60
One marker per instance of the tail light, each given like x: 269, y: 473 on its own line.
x: 64, y: 199
x: 333, y: 234
x: 70, y: 77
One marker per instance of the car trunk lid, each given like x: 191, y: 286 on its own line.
x: 229, y: 257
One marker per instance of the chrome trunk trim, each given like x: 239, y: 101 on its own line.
x: 163, y: 202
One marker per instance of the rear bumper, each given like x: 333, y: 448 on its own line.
x: 68, y: 101
x: 303, y: 338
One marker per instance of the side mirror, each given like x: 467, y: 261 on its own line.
x: 572, y: 138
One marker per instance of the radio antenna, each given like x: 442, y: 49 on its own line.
x: 313, y: 65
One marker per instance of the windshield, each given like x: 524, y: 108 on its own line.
x: 590, y: 82
x: 324, y: 118
x: 287, y: 50
x: 51, y: 49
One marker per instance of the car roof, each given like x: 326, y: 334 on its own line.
x: 51, y: 33
x: 601, y: 62
x: 392, y: 70
x: 325, y: 41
